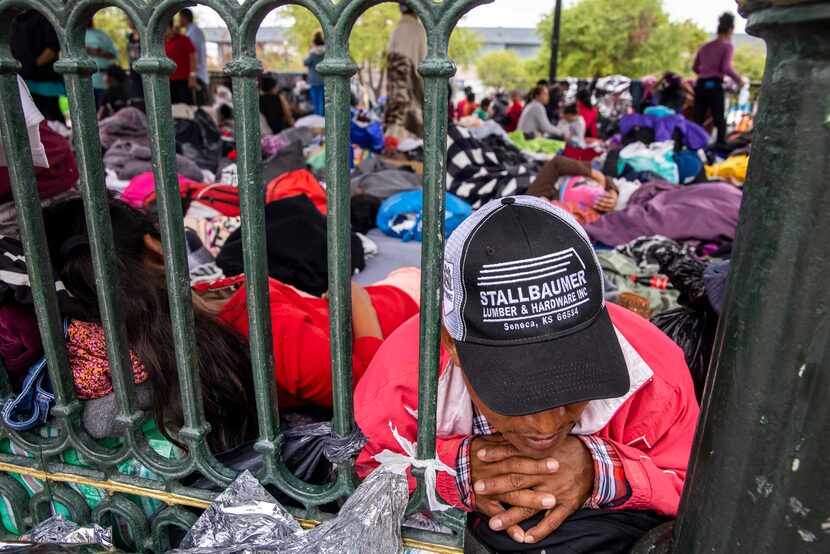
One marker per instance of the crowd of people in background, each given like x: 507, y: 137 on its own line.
x: 35, y: 44
x: 542, y: 112
x: 544, y: 182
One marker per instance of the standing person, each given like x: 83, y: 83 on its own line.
x: 514, y: 112
x: 404, y: 116
x: 317, y: 90
x: 568, y: 422
x: 179, y: 49
x: 34, y: 43
x: 197, y: 37
x: 588, y: 111
x: 103, y: 52
x: 712, y: 63
x: 534, y: 119
x: 133, y: 53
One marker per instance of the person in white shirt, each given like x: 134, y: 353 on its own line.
x: 197, y: 37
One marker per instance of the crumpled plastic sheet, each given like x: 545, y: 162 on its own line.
x: 58, y: 530
x: 308, y: 447
x: 334, y: 447
x: 246, y: 519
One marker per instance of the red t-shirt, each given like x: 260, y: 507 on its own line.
x: 514, y: 113
x: 302, y: 343
x: 179, y: 48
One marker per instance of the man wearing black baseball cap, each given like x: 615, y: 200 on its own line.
x: 568, y: 423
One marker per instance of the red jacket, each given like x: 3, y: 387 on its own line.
x: 302, y: 344
x: 651, y: 427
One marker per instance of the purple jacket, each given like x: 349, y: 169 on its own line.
x: 694, y: 136
x: 714, y: 60
x: 707, y: 212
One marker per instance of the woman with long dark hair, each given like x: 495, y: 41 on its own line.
x: 223, y: 362
x: 300, y: 330
x: 712, y: 63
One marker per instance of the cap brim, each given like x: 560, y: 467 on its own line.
x: 529, y: 378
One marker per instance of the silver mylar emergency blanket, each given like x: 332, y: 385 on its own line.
x: 247, y: 519
x: 58, y: 530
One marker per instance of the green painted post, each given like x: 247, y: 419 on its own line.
x: 33, y: 236
x: 244, y: 71
x: 758, y: 473
x: 336, y: 70
x: 76, y: 71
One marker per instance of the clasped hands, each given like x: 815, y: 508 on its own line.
x: 511, y: 487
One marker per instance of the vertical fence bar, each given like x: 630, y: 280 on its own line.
x: 244, y: 71
x: 154, y: 69
x: 435, y: 72
x: 33, y: 236
x: 336, y: 70
x: 76, y: 73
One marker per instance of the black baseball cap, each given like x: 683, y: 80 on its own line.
x: 524, y: 302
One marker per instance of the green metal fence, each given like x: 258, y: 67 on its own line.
x: 48, y: 464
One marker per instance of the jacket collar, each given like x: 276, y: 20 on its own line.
x: 599, y: 412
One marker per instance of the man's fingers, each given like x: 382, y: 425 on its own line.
x: 515, y: 463
x: 488, y: 506
x: 524, y: 475
x: 496, y: 452
x: 529, y: 499
x: 550, y: 523
x: 510, y: 518
x: 531, y: 466
x: 503, y: 483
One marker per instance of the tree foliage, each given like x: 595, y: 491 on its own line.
x: 750, y: 59
x: 465, y: 44
x: 503, y: 69
x: 606, y: 37
x: 113, y: 21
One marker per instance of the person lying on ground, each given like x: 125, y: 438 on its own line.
x: 572, y: 126
x: 557, y: 170
x: 534, y: 119
x: 300, y: 329
x: 568, y: 422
